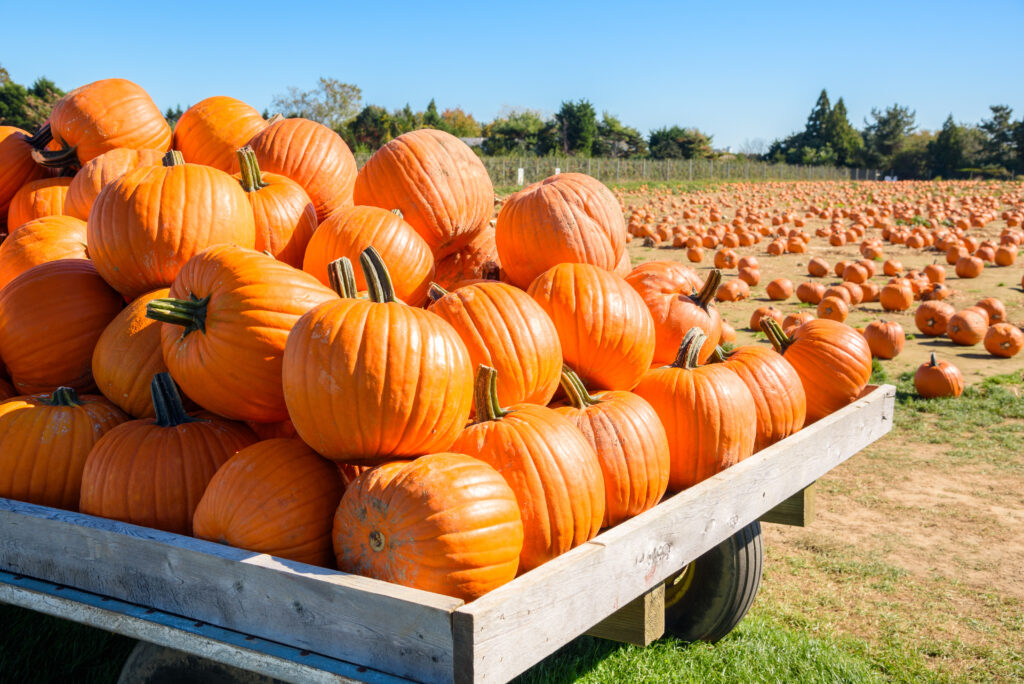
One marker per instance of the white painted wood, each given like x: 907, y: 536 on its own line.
x: 395, y: 629
x: 513, y: 627
x: 520, y: 177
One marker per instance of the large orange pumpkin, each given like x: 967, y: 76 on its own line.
x: 605, y: 329
x: 707, y: 412
x: 445, y: 523
x: 504, y: 328
x: 367, y: 381
x: 36, y: 199
x: 16, y: 165
x: 210, y: 131
x: 41, y: 240
x: 678, y: 301
x: 630, y: 443
x: 568, y: 218
x: 50, y: 318
x: 99, y: 172
x: 44, y: 441
x: 153, y: 472
x: 313, y: 156
x: 144, y: 226
x: 277, y: 497
x: 350, y: 230
x: 436, y: 181
x: 225, y: 324
x: 550, y: 466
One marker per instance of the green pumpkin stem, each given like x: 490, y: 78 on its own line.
x: 485, y: 395
x: 717, y: 356
x: 62, y: 396
x: 190, y: 313
x: 252, y: 177
x: 167, y: 402
x: 436, y: 292
x: 706, y: 296
x: 342, y: 278
x: 378, y: 280
x: 173, y: 158
x: 398, y: 213
x: 575, y: 389
x: 779, y: 339
x: 933, y: 361
x: 689, y: 350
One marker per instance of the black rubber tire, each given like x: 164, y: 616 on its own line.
x: 709, y: 597
x: 152, y: 664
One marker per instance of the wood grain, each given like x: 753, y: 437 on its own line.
x: 639, y: 622
x: 798, y: 510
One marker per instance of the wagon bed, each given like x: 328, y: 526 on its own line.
x: 298, y: 622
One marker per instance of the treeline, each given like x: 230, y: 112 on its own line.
x: 890, y: 141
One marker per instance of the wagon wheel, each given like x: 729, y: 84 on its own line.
x: 705, y: 600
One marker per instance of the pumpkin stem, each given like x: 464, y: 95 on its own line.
x: 51, y: 159
x: 490, y: 271
x: 398, y: 213
x: 252, y: 177
x: 342, y: 278
x: 62, y: 396
x: 779, y: 339
x: 436, y: 292
x: 42, y: 137
x: 485, y: 395
x: 706, y: 296
x: 933, y: 361
x: 275, y: 118
x: 190, y: 313
x: 173, y: 158
x: 378, y: 280
x: 717, y: 356
x: 689, y: 350
x: 167, y: 402
x: 575, y: 389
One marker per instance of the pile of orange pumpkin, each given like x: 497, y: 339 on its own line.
x: 226, y: 331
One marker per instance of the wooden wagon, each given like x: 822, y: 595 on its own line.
x: 691, y: 563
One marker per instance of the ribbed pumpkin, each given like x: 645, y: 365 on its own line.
x: 779, y: 397
x: 38, y: 198
x: 995, y: 308
x: 445, y: 523
x: 350, y: 230
x: 549, y: 464
x: 478, y: 259
x: 127, y: 356
x: 832, y: 359
x: 367, y: 381
x: 936, y: 378
x: 504, y: 328
x: 99, y: 172
x: 210, y: 131
x: 630, y: 443
x: 568, y: 218
x: 153, y: 472
x: 50, y: 318
x: 44, y: 441
x: 16, y: 165
x: 276, y: 497
x: 101, y: 116
x: 606, y: 332
x: 436, y: 181
x: 885, y: 338
x: 313, y: 156
x: 966, y: 328
x: 41, y: 240
x: 932, y: 317
x: 678, y: 301
x: 896, y: 296
x: 707, y: 412
x: 1004, y: 340
x: 284, y: 215
x: 225, y: 324
x: 144, y: 226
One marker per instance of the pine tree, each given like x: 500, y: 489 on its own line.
x: 947, y: 154
x: 431, y: 119
x: 814, y: 132
x: 840, y: 135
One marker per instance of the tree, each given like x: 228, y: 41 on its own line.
x: 370, y: 129
x: 911, y: 160
x: 679, y: 143
x: 404, y: 120
x: 817, y: 122
x: 947, y: 153
x: 999, y: 148
x: 172, y: 114
x: 331, y: 103
x: 461, y: 124
x: 1018, y: 144
x: 577, y: 127
x: 430, y: 118
x: 514, y: 131
x: 27, y: 108
x: 4, y: 76
x: 616, y: 140
x: 885, y: 135
x: 840, y: 135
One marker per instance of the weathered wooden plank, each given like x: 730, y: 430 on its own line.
x: 391, y: 628
x: 639, y: 622
x: 506, y: 631
x: 798, y: 510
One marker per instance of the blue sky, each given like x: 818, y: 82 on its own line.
x: 736, y: 70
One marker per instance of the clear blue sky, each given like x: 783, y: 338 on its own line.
x: 736, y: 70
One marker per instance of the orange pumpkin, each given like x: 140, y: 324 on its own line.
x: 966, y: 328
x: 885, y: 338
x: 896, y: 296
x: 932, y: 317
x: 101, y: 171
x: 936, y: 378
x: 779, y: 289
x: 477, y: 260
x: 833, y: 308
x: 210, y: 131
x: 39, y: 241
x: 670, y: 291
x: 1003, y: 339
x: 36, y: 199
x: 16, y: 164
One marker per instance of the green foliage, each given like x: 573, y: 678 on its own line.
x: 617, y: 140
x: 519, y: 131
x: 26, y: 108
x: 911, y: 161
x: 172, y: 114
x: 370, y: 129
x: 947, y: 154
x: 679, y: 143
x: 460, y: 124
x: 998, y: 148
x: 331, y: 103
x: 576, y: 124
x: 817, y: 121
x: 840, y: 135
x: 886, y: 134
x: 431, y: 118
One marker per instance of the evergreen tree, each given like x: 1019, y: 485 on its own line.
x: 840, y: 135
x: 947, y: 154
x: 431, y: 119
x: 679, y: 143
x: 999, y: 148
x: 515, y: 132
x: 886, y: 134
x: 616, y: 140
x: 577, y: 127
x: 172, y: 114
x: 817, y: 122
x: 371, y: 128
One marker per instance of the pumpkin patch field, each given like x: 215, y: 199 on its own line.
x: 228, y: 332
